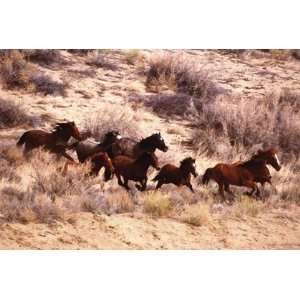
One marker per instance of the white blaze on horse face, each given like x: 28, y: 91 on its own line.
x: 277, y: 160
x: 119, y: 137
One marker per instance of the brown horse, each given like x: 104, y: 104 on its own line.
x: 98, y: 161
x: 132, y: 148
x: 55, y: 141
x: 134, y: 169
x: 243, y: 173
x: 86, y: 149
x: 177, y: 175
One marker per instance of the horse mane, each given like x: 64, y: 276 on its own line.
x: 189, y: 160
x: 145, y: 141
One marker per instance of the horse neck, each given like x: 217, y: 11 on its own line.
x: 61, y: 135
x: 185, y: 172
x: 145, y: 144
x: 254, y: 164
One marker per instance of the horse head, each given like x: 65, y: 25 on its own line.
x: 188, y: 164
x: 158, y: 142
x: 68, y: 129
x: 270, y: 157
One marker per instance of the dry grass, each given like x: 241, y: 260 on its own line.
x: 157, y: 204
x: 100, y: 59
x: 23, y: 207
x: 17, y: 73
x: 113, y: 118
x: 45, y: 85
x: 44, y: 57
x: 196, y: 215
x: 237, y: 123
x: 132, y: 56
x: 181, y: 74
x: 13, y: 114
x: 247, y: 206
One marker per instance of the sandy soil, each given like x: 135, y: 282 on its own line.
x: 276, y: 229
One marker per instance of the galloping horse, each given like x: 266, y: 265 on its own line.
x: 244, y: 173
x: 134, y: 169
x: 85, y: 149
x: 178, y: 176
x: 132, y: 148
x: 55, y: 141
x: 98, y: 161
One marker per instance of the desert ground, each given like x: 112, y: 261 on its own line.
x: 222, y: 107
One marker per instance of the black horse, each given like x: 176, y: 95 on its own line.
x: 86, y: 149
x: 134, y: 149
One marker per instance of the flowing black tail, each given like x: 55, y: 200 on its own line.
x: 207, y: 176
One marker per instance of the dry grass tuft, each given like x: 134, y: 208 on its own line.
x: 133, y: 56
x: 119, y: 202
x: 196, y: 215
x: 45, y: 85
x: 24, y: 207
x: 17, y: 73
x: 234, y: 124
x: 181, y: 74
x: 247, y: 206
x: 113, y: 118
x: 13, y: 114
x: 100, y: 59
x: 157, y: 204
x: 44, y: 56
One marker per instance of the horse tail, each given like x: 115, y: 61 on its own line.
x: 22, y: 140
x: 207, y: 176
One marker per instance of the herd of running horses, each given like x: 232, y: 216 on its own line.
x: 129, y: 159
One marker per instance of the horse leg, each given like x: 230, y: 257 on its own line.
x: 221, y: 190
x: 228, y: 190
x: 159, y: 184
x: 126, y: 184
x: 189, y: 185
x: 119, y: 179
x: 27, y: 149
x: 144, y: 184
x: 67, y: 156
x: 253, y: 185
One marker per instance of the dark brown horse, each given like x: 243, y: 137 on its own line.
x: 243, y: 173
x: 134, y: 169
x: 98, y: 161
x: 55, y: 141
x: 132, y: 148
x: 86, y: 149
x: 177, y: 175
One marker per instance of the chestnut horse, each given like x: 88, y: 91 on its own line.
x: 86, y: 149
x: 132, y: 148
x: 98, y: 161
x: 55, y: 141
x: 134, y: 169
x: 177, y: 175
x: 244, y: 173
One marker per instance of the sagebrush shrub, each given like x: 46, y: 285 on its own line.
x: 113, y: 118
x: 13, y: 114
x: 100, y: 59
x: 185, y: 75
